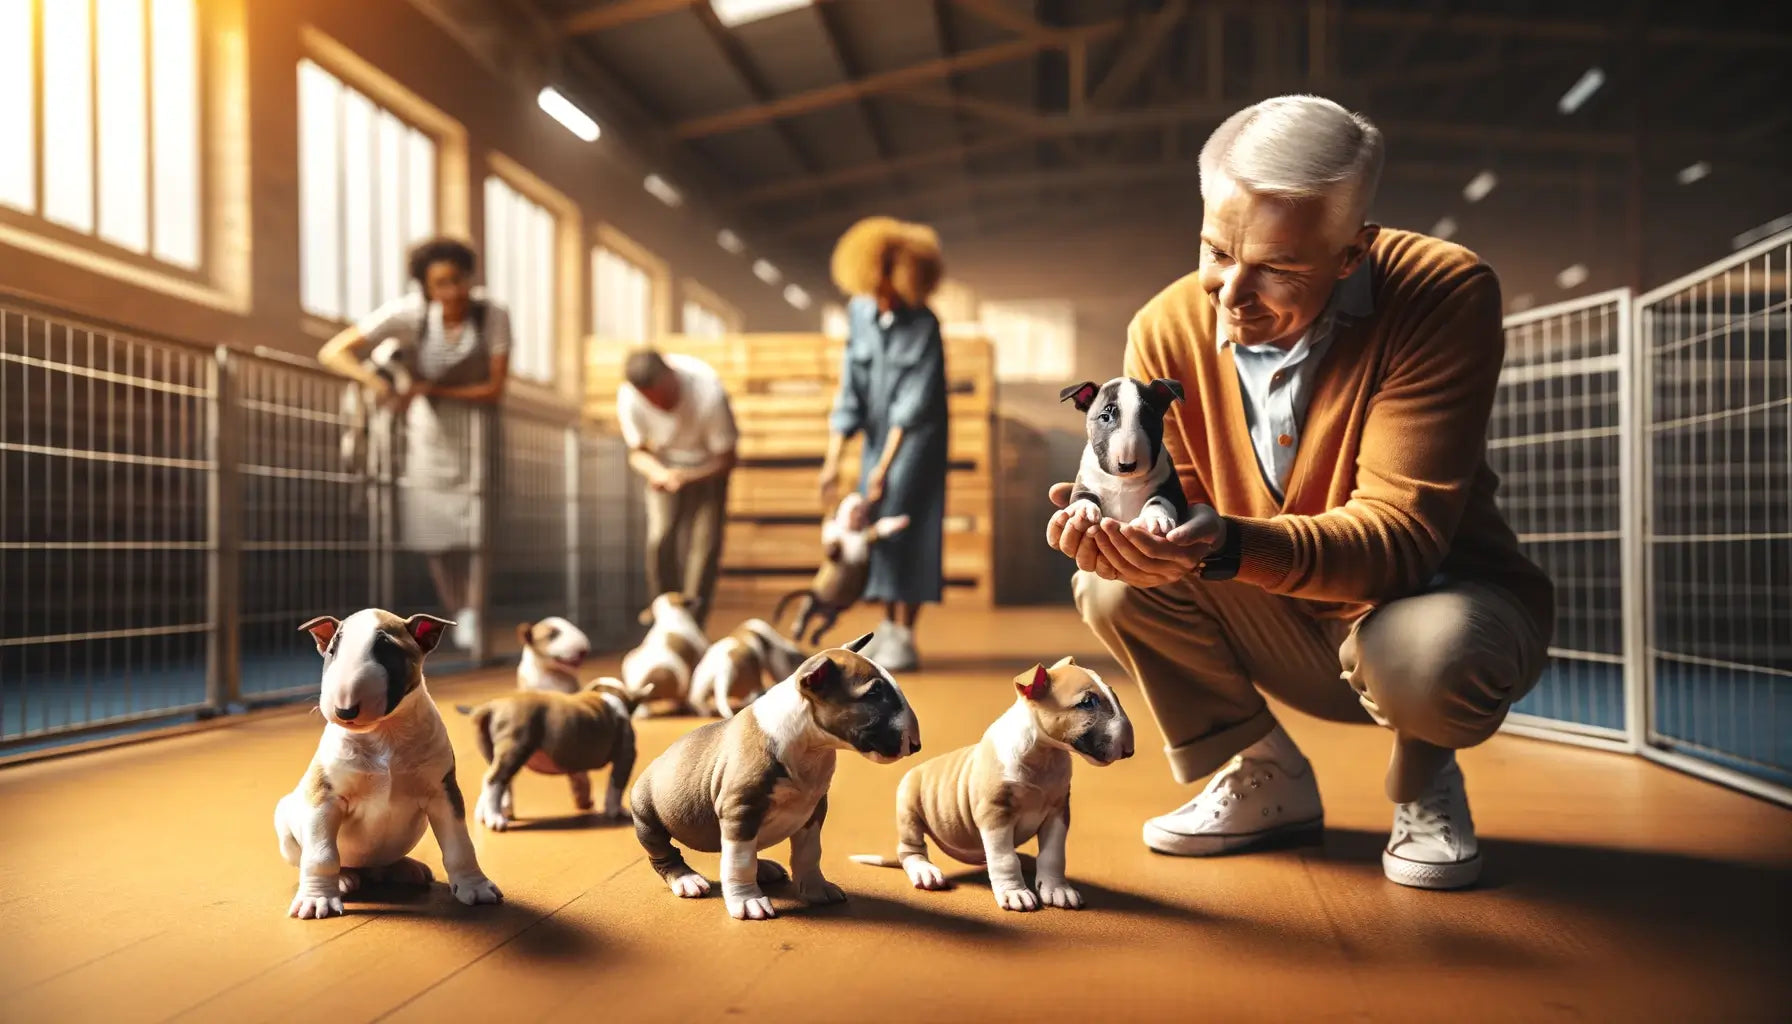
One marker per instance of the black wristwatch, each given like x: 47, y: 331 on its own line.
x: 1222, y: 562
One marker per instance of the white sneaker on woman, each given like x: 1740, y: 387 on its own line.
x: 1267, y: 791
x: 897, y: 652
x: 466, y: 629
x: 1433, y: 844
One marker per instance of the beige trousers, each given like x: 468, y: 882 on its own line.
x: 1440, y: 668
x: 684, y: 541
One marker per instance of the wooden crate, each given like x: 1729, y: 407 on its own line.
x: 782, y: 388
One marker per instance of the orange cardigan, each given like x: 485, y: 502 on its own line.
x: 1390, y: 486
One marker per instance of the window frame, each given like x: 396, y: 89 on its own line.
x: 659, y: 279
x: 718, y: 307
x: 567, y: 388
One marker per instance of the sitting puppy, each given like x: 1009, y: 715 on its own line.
x: 383, y: 771
x: 1126, y: 473
x: 553, y: 650
x: 555, y: 733
x: 735, y: 669
x: 761, y: 777
x: 980, y: 802
x: 660, y: 667
x: 846, y: 542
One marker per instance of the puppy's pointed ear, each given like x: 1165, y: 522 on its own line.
x: 524, y: 632
x: 1162, y: 392
x: 858, y: 645
x: 322, y: 629
x: 817, y: 674
x: 1082, y: 394
x: 426, y: 630
x: 1033, y: 685
x: 646, y: 616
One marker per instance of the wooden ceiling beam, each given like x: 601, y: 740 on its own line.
x: 737, y: 57
x: 620, y: 13
x: 1136, y: 55
x: 1564, y: 31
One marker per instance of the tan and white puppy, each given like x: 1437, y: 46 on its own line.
x: 748, y: 783
x: 981, y: 802
x: 555, y: 733
x: 383, y: 771
x: 553, y: 651
x: 737, y: 668
x: 660, y: 666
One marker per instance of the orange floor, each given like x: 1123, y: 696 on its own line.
x: 143, y: 883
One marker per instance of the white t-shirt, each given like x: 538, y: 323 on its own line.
x: 691, y: 433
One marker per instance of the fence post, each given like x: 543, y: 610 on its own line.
x: 573, y: 551
x: 223, y: 676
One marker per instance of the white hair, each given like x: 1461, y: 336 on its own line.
x: 1298, y: 147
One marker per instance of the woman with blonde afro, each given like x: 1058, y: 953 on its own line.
x: 893, y: 391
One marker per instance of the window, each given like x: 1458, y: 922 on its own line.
x: 520, y: 274
x: 622, y: 303
x: 1034, y: 341
x: 702, y: 322
x: 115, y: 129
x: 367, y: 193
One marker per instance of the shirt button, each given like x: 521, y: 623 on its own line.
x: 1284, y: 440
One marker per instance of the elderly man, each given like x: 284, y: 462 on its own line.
x: 679, y: 427
x: 1343, y: 551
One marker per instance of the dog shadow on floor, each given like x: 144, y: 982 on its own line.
x: 589, y: 820
x: 867, y: 908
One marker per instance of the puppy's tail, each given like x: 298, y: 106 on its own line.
x: 482, y: 730
x: 631, y: 694
x: 875, y: 860
x: 784, y: 602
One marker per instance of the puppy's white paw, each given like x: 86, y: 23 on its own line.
x: 475, y: 889
x: 1060, y: 895
x: 924, y: 874
x: 751, y: 908
x: 692, y: 886
x: 820, y: 890
x: 1156, y: 522
x: 1085, y: 509
x: 308, y: 908
x: 491, y: 818
x: 1017, y: 899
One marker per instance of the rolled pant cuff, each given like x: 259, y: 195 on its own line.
x: 1192, y: 760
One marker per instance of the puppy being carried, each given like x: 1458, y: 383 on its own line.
x: 981, y: 802
x: 846, y: 540
x: 735, y: 669
x: 556, y: 733
x: 659, y: 668
x: 1126, y: 473
x: 745, y: 784
x: 383, y: 771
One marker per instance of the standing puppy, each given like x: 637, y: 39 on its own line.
x: 660, y: 667
x: 383, y: 771
x: 1126, y: 473
x: 736, y: 669
x: 553, y: 650
x: 556, y: 734
x: 846, y: 540
x: 740, y: 786
x: 981, y: 802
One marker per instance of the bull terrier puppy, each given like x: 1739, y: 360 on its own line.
x: 553, y: 650
x: 846, y: 540
x: 734, y: 671
x: 981, y: 802
x: 748, y: 783
x: 1126, y: 473
x: 660, y: 666
x: 383, y: 771
x: 556, y: 734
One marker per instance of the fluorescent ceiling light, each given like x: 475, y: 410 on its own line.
x: 730, y: 241
x: 1581, y: 91
x: 1444, y: 229
x: 1572, y: 277
x: 1522, y: 302
x: 766, y: 272
x: 572, y: 118
x: 739, y: 12
x: 662, y: 190
x: 1478, y: 186
x: 796, y: 296
x: 1692, y: 172
x: 1767, y: 230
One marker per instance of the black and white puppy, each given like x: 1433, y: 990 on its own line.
x: 1126, y: 473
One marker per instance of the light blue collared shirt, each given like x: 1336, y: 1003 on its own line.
x: 1277, y: 384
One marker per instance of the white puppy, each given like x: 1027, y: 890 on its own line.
x: 553, y: 651
x: 660, y: 666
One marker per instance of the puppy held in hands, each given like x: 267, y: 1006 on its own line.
x: 981, y: 802
x: 748, y: 783
x: 1126, y: 473
x: 555, y: 733
x: 383, y: 771
x: 846, y: 540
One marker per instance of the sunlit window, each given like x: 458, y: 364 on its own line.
x: 622, y: 298
x: 520, y: 273
x: 1034, y: 341
x: 116, y: 125
x: 367, y: 193
x: 700, y: 321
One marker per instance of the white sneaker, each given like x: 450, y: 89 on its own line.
x: 1265, y: 792
x: 1433, y: 844
x: 880, y: 639
x: 897, y: 652
x: 465, y: 629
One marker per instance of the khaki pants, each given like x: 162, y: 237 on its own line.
x: 1440, y: 668
x: 684, y: 540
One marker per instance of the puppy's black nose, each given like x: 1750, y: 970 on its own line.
x: 348, y: 714
x: 1127, y: 467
